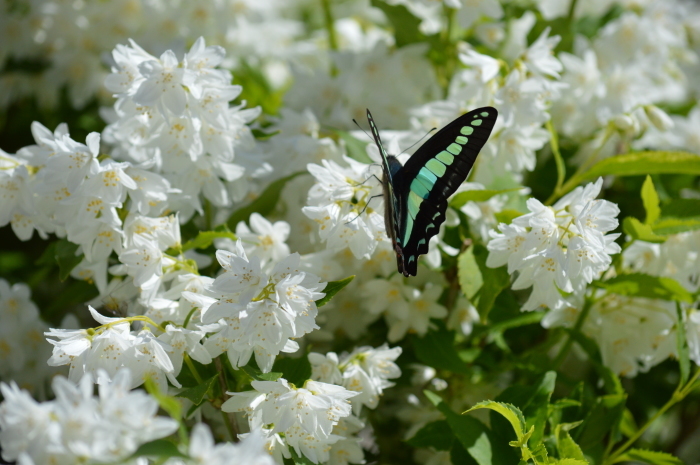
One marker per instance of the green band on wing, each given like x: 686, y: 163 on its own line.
x: 409, y: 228
x: 454, y: 149
x: 446, y: 157
x: 419, y: 188
x: 484, y: 113
x: 427, y: 183
x: 414, y: 201
x: 436, y: 167
x: 467, y: 130
x: 476, y: 122
x: 428, y: 176
x: 462, y: 140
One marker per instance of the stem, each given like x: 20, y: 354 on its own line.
x: 229, y: 418
x: 678, y: 395
x: 554, y: 143
x: 449, y: 49
x: 193, y: 369
x: 576, y: 179
x: 330, y: 28
x: 577, y: 327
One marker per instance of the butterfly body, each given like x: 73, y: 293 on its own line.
x: 415, y: 194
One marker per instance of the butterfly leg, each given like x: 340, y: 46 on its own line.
x: 363, y: 210
x: 370, y: 177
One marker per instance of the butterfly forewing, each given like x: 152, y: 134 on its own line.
x: 392, y: 205
x: 434, y: 173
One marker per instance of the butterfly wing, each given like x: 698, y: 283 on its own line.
x: 392, y: 205
x: 431, y: 175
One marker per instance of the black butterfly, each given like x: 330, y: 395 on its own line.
x: 415, y: 195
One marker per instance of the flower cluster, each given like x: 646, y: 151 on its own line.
x: 175, y: 117
x: 563, y: 247
x: 303, y: 418
x: 256, y: 312
x: 78, y: 426
x: 340, y: 203
x: 365, y: 370
x: 114, y: 346
x: 47, y: 45
x: 23, y: 355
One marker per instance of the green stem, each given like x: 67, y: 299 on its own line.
x: 448, y: 67
x: 577, y: 327
x: 330, y: 28
x: 554, y: 143
x: 678, y: 395
x: 193, y: 369
x: 229, y: 419
x: 577, y: 177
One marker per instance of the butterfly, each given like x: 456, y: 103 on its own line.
x: 415, y: 194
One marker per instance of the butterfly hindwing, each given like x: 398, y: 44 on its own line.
x: 434, y: 173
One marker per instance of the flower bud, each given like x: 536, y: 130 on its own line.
x: 658, y: 117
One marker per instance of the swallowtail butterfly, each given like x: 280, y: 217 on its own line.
x: 415, y: 195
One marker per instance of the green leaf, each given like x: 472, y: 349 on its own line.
x: 640, y: 231
x: 404, y: 24
x: 650, y: 456
x: 603, y: 417
x: 480, y: 287
x: 651, y: 201
x: 643, y: 163
x: 299, y: 459
x: 681, y: 208
x: 355, y: 148
x: 436, y: 349
x: 196, y: 394
x: 295, y: 370
x: 263, y: 204
x: 510, y: 412
x: 536, y: 411
x: 571, y: 462
x: 566, y: 447
x: 256, y: 90
x: 166, y: 402
x: 610, y: 379
x: 332, y: 288
x: 682, y: 346
x: 644, y: 285
x: 436, y: 434
x: 254, y: 372
x: 459, y: 200
x: 523, y: 319
x: 668, y: 226
x: 479, y: 442
x: 507, y: 215
x: 628, y: 426
x: 205, y: 238
x: 459, y: 455
x: 161, y: 448
x: 66, y: 258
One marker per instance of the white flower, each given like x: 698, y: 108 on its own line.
x: 345, y: 201
x: 305, y: 415
x: 77, y: 426
x: 564, y: 247
x: 259, y: 313
x: 264, y: 239
x: 539, y: 57
x: 365, y: 371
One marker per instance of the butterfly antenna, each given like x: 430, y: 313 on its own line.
x: 358, y: 125
x: 414, y: 144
